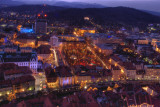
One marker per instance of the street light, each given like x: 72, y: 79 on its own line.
x: 85, y: 87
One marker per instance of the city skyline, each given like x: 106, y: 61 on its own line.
x: 79, y: 53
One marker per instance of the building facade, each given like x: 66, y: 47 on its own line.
x: 41, y: 26
x: 19, y: 56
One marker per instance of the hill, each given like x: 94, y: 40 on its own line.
x: 78, y: 5
x: 104, y: 16
x: 152, y: 12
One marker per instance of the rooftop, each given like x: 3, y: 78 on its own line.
x: 21, y: 70
x: 105, y: 46
x: 23, y: 79
x: 64, y: 71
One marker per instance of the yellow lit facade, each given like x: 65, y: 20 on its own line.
x: 53, y: 85
x: 81, y: 32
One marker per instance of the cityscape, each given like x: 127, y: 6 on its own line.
x: 73, y: 54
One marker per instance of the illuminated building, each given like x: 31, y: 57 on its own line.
x: 19, y: 27
x: 135, y: 30
x: 52, y: 79
x: 68, y: 37
x: 127, y: 68
x: 19, y: 56
x: 116, y: 71
x: 43, y: 40
x: 22, y: 71
x: 17, y: 86
x: 23, y: 84
x: 102, y: 38
x: 65, y: 76
x: 2, y: 38
x: 54, y: 41
x: 86, y: 18
x: 59, y: 77
x: 26, y: 30
x: 41, y: 24
x: 156, y: 46
x: 143, y: 41
x: 25, y: 40
x: 82, y: 76
x: 82, y: 31
x: 40, y: 42
x: 44, y: 52
x: 152, y: 72
x: 106, y: 49
x: 150, y: 91
x: 5, y: 88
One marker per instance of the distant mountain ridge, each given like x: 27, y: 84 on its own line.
x: 53, y: 3
x: 152, y: 12
x: 10, y: 3
x: 103, y: 16
x: 78, y: 5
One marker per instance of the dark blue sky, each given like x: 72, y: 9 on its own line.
x: 153, y: 5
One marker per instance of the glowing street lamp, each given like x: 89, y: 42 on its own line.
x: 85, y: 87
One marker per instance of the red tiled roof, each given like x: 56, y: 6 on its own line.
x: 116, y: 58
x: 51, y: 75
x: 44, y: 49
x: 24, y: 70
x: 23, y: 79
x: 131, y: 100
x: 143, y: 97
x: 106, y: 72
x: 156, y: 102
x: 51, y: 79
x: 82, y: 73
x: 91, y: 67
x: 115, y: 67
x: 44, y: 38
x: 128, y: 65
x: 5, y: 83
x: 64, y: 71
x: 95, y: 74
x: 7, y: 66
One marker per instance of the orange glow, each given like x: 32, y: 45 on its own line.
x: 109, y: 89
x: 116, y: 86
x: 122, y: 71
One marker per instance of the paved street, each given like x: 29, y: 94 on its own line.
x: 40, y: 81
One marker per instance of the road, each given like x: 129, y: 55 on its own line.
x: 39, y: 81
x: 91, y: 50
x: 63, y: 59
x: 56, y: 57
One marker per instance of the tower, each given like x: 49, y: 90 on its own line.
x: 41, y: 24
x: 54, y: 41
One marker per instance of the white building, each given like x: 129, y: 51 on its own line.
x: 152, y: 72
x: 54, y: 41
x: 18, y: 57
